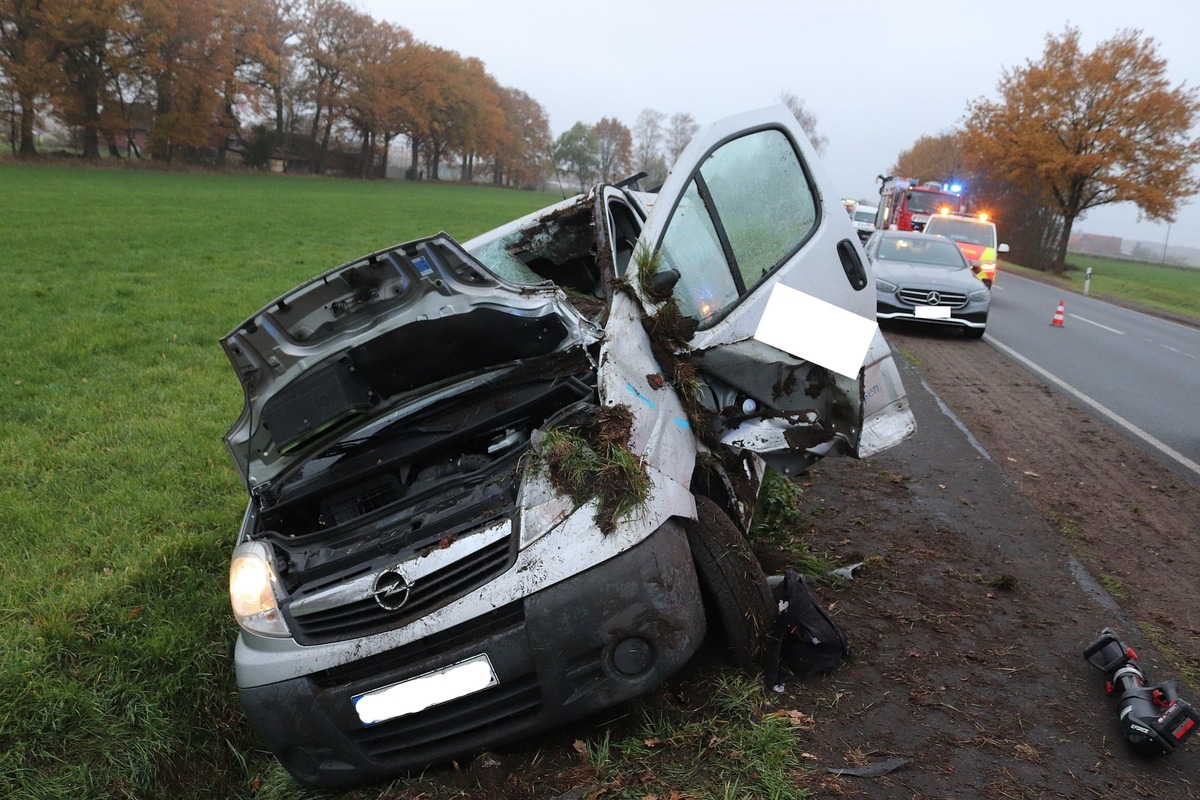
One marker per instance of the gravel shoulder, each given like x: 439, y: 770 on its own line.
x: 996, y: 543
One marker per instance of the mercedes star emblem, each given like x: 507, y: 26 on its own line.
x: 933, y: 298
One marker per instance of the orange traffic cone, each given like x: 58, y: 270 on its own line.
x: 1058, y: 315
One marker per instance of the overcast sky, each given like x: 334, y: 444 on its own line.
x: 876, y: 79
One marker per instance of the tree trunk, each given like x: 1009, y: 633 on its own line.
x: 387, y: 146
x: 160, y: 146
x: 316, y: 123
x: 319, y: 163
x: 1060, y: 256
x: 229, y: 124
x: 28, y: 146
x: 277, y: 91
x: 414, y: 168
x: 364, y: 166
x: 91, y: 126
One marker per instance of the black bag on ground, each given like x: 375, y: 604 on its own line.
x: 805, y: 637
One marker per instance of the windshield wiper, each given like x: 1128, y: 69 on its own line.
x: 385, y: 435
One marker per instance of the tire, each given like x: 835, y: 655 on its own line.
x: 732, y: 582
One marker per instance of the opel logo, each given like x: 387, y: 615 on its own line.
x: 391, y: 590
x: 933, y: 298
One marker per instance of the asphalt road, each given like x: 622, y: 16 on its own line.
x: 1139, y: 371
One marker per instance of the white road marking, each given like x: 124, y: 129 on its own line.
x: 1165, y: 449
x: 1177, y: 350
x: 1097, y: 324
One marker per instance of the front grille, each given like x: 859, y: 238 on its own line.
x: 427, y: 648
x: 920, y: 297
x: 483, y: 715
x: 364, y: 616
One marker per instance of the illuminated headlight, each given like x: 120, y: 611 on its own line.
x: 979, y: 296
x: 884, y: 286
x: 252, y: 591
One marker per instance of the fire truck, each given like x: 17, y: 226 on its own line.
x: 906, y: 205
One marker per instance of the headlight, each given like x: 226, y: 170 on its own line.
x: 252, y: 591
x: 884, y: 286
x: 979, y: 296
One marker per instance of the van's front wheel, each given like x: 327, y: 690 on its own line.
x: 733, y: 584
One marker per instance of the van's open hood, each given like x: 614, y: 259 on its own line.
x: 395, y: 327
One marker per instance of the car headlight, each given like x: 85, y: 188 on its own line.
x: 979, y: 296
x: 252, y: 591
x: 885, y: 286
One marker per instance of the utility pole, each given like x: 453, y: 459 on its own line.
x: 1166, y: 240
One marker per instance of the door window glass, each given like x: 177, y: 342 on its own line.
x: 763, y: 199
x: 753, y: 193
x: 692, y: 246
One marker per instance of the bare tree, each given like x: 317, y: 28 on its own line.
x: 807, y: 120
x: 682, y: 128
x: 614, y: 148
x: 647, y: 137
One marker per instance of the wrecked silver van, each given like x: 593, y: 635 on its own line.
x: 494, y: 486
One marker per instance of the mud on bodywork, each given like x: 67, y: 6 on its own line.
x: 485, y: 458
x: 593, y: 460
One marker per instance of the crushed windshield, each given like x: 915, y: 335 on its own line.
x: 498, y: 256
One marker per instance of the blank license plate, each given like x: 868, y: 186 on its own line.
x: 431, y: 689
x: 931, y: 312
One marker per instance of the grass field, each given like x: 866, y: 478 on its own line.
x: 120, y: 503
x: 1175, y: 290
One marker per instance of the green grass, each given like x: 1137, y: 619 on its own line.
x: 1175, y: 290
x: 120, y: 503
x: 732, y: 745
x: 779, y: 523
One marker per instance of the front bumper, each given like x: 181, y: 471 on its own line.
x: 972, y: 315
x: 584, y: 644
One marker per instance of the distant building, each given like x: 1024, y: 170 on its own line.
x: 1095, y: 244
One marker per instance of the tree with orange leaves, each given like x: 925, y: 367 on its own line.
x: 90, y: 41
x: 26, y: 53
x: 520, y: 156
x: 188, y: 52
x: 1081, y: 130
x: 331, y: 38
x: 380, y: 79
x: 934, y: 158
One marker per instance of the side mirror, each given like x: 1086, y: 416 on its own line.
x: 661, y: 284
x: 1002, y: 248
